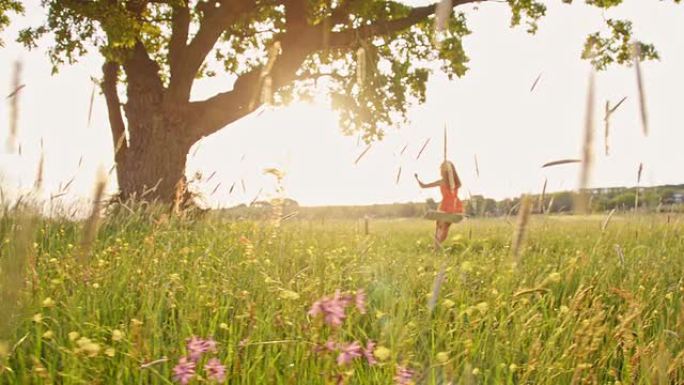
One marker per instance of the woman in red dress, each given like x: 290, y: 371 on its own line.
x: 448, y: 186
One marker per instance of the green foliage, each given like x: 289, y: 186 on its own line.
x: 616, y: 48
x: 372, y: 91
x: 7, y: 7
x: 529, y: 10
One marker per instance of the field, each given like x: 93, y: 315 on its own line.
x: 579, y: 305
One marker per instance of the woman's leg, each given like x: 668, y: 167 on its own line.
x: 441, y: 232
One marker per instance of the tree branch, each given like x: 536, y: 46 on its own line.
x: 347, y: 38
x: 227, y: 107
x: 142, y: 71
x: 214, y: 23
x: 180, y: 25
x: 116, y: 122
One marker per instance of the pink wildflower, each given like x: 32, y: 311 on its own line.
x: 195, y: 347
x: 349, y: 352
x: 184, y: 370
x: 345, y: 299
x: 360, y: 301
x: 215, y: 370
x: 332, y: 309
x: 404, y: 375
x: 368, y: 353
x: 210, y: 345
x: 331, y: 345
x: 198, y: 346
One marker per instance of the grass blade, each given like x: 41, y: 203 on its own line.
x: 587, y: 148
x: 640, y: 87
x: 534, y: 85
x: 560, y: 162
x: 362, y: 154
x: 422, y: 148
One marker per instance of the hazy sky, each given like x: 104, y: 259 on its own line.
x: 490, y: 114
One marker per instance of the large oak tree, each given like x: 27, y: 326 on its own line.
x: 375, y: 57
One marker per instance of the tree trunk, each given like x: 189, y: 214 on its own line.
x: 154, y: 162
x: 150, y: 160
x: 154, y: 159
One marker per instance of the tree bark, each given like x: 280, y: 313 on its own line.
x: 151, y: 161
x: 154, y: 166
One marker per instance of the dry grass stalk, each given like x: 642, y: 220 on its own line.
x: 360, y: 66
x: 216, y: 188
x: 606, y: 125
x: 151, y: 189
x: 606, y: 120
x: 120, y: 143
x: 536, y: 81
x: 521, y: 227
x: 244, y: 188
x: 612, y: 110
x: 587, y: 148
x: 550, y: 206
x: 436, y: 287
x: 152, y: 363
x: 93, y: 221
x: 606, y: 221
x: 92, y: 102
x: 403, y: 149
x: 197, y: 147
x: 422, y: 148
x: 398, y: 175
x: 636, y: 195
x: 362, y: 154
x: 267, y: 90
x: 68, y: 184
x: 232, y: 187
x: 620, y: 254
x: 16, y: 91
x: 14, y: 107
x: 39, y: 173
x: 560, y: 162
x: 13, y: 270
x: 265, y: 94
x: 640, y: 86
x: 542, y: 197
x: 442, y: 15
x: 181, y: 189
x: 256, y: 197
x: 477, y: 166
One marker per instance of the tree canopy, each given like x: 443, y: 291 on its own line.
x: 373, y: 56
x: 6, y: 8
x: 370, y: 58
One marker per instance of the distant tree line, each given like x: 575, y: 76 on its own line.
x: 650, y: 199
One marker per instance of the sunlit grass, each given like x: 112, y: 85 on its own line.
x: 570, y: 312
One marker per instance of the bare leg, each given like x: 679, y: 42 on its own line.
x: 441, y: 232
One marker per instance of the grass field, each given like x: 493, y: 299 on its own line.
x: 574, y: 309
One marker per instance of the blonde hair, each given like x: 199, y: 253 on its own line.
x: 448, y: 172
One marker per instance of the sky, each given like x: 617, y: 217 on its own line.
x: 490, y: 114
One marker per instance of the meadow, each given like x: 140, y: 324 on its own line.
x: 579, y: 305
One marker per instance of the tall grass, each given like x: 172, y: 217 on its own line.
x: 572, y: 314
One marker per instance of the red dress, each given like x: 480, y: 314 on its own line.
x: 450, y: 202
